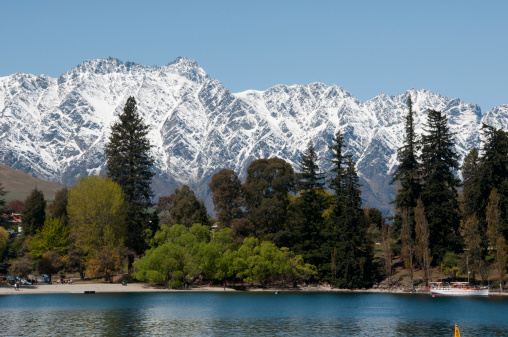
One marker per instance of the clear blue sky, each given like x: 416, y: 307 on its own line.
x: 455, y: 48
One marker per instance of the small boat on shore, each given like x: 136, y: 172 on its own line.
x: 457, y: 289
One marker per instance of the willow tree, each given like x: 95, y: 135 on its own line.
x: 129, y: 163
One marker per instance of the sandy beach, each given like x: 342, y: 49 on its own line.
x: 81, y: 288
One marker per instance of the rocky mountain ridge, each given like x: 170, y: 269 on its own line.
x: 55, y: 128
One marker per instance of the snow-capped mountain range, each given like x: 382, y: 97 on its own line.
x: 55, y: 128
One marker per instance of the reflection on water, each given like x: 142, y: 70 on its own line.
x: 247, y: 314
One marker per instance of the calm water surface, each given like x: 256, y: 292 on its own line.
x: 250, y: 314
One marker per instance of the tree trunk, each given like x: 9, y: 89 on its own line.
x: 130, y: 259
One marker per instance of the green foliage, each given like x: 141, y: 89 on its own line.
x: 266, y: 191
x: 470, y: 174
x: 96, y: 215
x: 183, y: 208
x: 227, y: 197
x: 51, y: 262
x: 439, y: 192
x: 4, y: 240
x: 58, y: 208
x: 53, y: 236
x: 450, y: 265
x: 129, y: 164
x: 305, y: 219
x: 493, y: 173
x: 34, y: 213
x: 349, y: 250
x: 180, y: 255
x: 406, y: 175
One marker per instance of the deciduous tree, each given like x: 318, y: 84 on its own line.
x: 422, y: 251
x: 227, y: 197
x: 266, y: 190
x: 473, y: 247
x: 183, y: 208
x: 96, y: 215
x: 53, y: 236
x: 495, y: 235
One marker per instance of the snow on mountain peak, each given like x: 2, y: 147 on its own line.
x: 56, y: 129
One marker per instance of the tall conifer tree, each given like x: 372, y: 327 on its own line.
x: 306, y: 220
x: 470, y: 175
x: 34, y: 213
x: 407, y: 174
x: 129, y: 163
x: 493, y: 173
x: 353, y: 259
x: 439, y: 193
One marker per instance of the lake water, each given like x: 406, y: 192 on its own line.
x: 251, y: 314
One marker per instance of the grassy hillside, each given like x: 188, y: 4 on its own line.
x: 18, y: 184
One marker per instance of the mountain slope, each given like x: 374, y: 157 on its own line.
x: 19, y: 184
x: 55, y: 129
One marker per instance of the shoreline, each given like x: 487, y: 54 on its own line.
x: 81, y: 288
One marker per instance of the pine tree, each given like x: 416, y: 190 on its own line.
x: 336, y: 225
x: 493, y: 173
x: 353, y: 258
x: 306, y: 220
x: 439, y: 193
x: 129, y: 163
x: 34, y: 213
x: 470, y: 171
x: 58, y: 208
x: 406, y: 174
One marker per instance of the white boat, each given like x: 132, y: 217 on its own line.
x: 457, y: 289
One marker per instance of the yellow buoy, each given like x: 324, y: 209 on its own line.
x: 457, y: 332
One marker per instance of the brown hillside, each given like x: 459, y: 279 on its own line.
x: 19, y: 184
